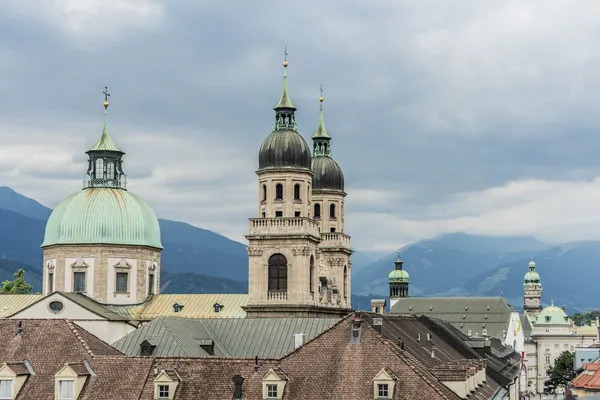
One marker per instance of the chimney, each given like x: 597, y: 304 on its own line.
x: 299, y: 340
x: 401, y: 344
x: 355, y: 330
x: 255, y: 365
x: 20, y: 328
x: 378, y: 324
x: 418, y: 338
x: 238, y: 391
x: 154, y: 367
x: 428, y: 337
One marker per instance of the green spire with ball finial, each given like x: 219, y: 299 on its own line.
x: 321, y: 140
x: 285, y: 111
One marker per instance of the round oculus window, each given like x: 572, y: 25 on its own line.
x: 56, y: 306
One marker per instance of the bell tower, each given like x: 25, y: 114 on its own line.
x: 532, y: 292
x: 328, y: 209
x: 283, y: 241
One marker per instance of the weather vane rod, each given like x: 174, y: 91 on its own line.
x: 106, y: 94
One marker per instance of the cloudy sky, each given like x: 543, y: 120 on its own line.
x: 480, y: 117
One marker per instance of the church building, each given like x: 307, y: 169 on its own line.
x: 103, y: 241
x: 299, y: 255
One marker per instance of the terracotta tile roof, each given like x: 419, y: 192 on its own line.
x: 589, y: 379
x: 12, y: 303
x: 352, y: 366
x: 121, y: 378
x: 19, y: 368
x: 423, y: 335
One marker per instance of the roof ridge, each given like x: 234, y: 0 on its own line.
x: 85, y: 345
x: 352, y: 314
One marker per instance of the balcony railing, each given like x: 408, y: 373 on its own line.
x: 283, y: 226
x: 277, y: 296
x: 335, y: 239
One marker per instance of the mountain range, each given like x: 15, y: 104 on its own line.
x: 197, y: 260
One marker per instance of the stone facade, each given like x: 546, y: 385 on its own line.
x: 316, y: 250
x: 532, y: 295
x: 101, y: 263
x: 317, y: 257
x: 294, y: 198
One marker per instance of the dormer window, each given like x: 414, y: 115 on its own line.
x: 217, y: 307
x: 71, y: 379
x: 165, y: 384
x: 177, y: 307
x: 66, y: 389
x: 272, y: 392
x: 6, y: 389
x: 163, y: 391
x: 548, y: 318
x: 383, y: 384
x: 274, y: 384
x: 383, y: 391
x: 147, y: 347
x: 12, y: 378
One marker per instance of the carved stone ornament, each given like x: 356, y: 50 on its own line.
x: 79, y: 263
x: 122, y: 264
x: 301, y: 250
x: 323, y: 268
x: 254, y: 251
x: 50, y: 264
x: 151, y: 266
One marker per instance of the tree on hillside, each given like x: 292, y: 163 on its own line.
x: 585, y: 318
x: 18, y: 285
x: 562, y: 372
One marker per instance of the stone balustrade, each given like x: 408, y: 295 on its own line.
x: 283, y: 226
x: 277, y: 296
x: 335, y: 239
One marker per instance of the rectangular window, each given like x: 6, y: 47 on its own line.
x: 278, y: 214
x: 382, y: 391
x: 5, y: 389
x: 79, y: 281
x: 547, y: 359
x: 271, y: 391
x: 50, y: 282
x: 151, y: 284
x: 163, y: 391
x: 122, y: 282
x: 297, y: 214
x: 65, y: 390
x: 332, y: 229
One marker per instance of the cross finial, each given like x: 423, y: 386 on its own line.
x: 106, y: 94
x: 321, y: 89
x: 398, y: 254
x: 285, y: 53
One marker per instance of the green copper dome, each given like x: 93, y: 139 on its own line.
x: 552, y: 315
x: 398, y: 275
x: 103, y: 216
x: 532, y: 278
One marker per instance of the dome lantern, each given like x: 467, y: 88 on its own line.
x: 284, y: 147
x: 105, y: 163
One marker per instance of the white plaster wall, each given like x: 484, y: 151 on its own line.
x: 41, y: 309
x: 89, y: 284
x: 109, y: 331
x: 121, y: 298
x: 514, y: 333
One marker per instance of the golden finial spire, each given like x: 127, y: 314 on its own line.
x: 106, y: 94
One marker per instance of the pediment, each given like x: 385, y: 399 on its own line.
x: 274, y: 376
x: 385, y: 375
x: 122, y: 264
x: 5, y: 370
x: 79, y: 263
